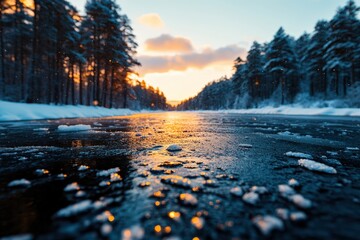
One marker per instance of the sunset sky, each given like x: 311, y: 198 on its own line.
x: 184, y: 44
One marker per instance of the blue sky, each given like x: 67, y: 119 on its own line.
x: 211, y: 27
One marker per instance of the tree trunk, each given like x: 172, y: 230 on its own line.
x: 2, y: 50
x: 80, y: 84
x: 337, y: 82
x: 72, y: 84
x: 111, y: 87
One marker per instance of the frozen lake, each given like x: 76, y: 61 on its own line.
x: 114, y: 177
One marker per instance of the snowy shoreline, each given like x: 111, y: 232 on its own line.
x: 293, y: 110
x: 11, y: 111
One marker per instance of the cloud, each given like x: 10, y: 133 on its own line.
x: 152, y: 20
x: 182, y: 62
x: 168, y: 43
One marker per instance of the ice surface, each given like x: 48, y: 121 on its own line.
x: 74, y: 128
x: 19, y: 183
x: 267, y: 224
x: 316, y: 166
x: 298, y: 155
x: 10, y: 111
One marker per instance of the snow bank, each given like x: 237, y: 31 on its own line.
x: 297, y: 110
x: 10, y: 111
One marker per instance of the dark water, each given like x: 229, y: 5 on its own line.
x: 211, y: 163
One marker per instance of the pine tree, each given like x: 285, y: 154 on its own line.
x: 342, y: 46
x: 281, y: 62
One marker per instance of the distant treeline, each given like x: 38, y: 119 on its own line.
x: 49, y: 53
x: 324, y: 65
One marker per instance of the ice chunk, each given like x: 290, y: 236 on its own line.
x: 285, y: 190
x: 300, y: 201
x: 19, y: 183
x: 176, y: 180
x: 19, y: 237
x: 237, y: 191
x: 244, y: 145
x: 267, y: 224
x: 188, y: 199
x: 41, y: 129
x: 316, y: 166
x: 114, y: 177
x: 72, y: 187
x: 75, y: 209
x: 135, y: 232
x: 171, y: 164
x: 298, y: 217
x: 83, y: 168
x: 283, y: 213
x: 352, y: 148
x: 174, y: 148
x: 106, y: 229
x: 251, y: 198
x: 293, y: 183
x: 198, y: 222
x: 104, y: 183
x: 80, y: 194
x: 74, y: 128
x: 105, y: 173
x: 259, y: 190
x: 298, y: 155
x: 41, y: 172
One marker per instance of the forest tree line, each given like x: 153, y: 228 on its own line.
x: 316, y: 67
x: 50, y: 53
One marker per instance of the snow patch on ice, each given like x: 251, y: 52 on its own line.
x: 267, y: 224
x: 105, y: 173
x: 237, y: 191
x: 75, y: 209
x: 74, y: 128
x: 316, y: 166
x: 72, y: 187
x: 298, y: 155
x: 19, y: 183
x: 251, y: 198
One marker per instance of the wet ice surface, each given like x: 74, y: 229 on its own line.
x: 225, y: 177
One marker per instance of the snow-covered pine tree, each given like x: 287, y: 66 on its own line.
x: 342, y: 46
x: 255, y: 72
x: 315, y: 59
x: 281, y: 63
